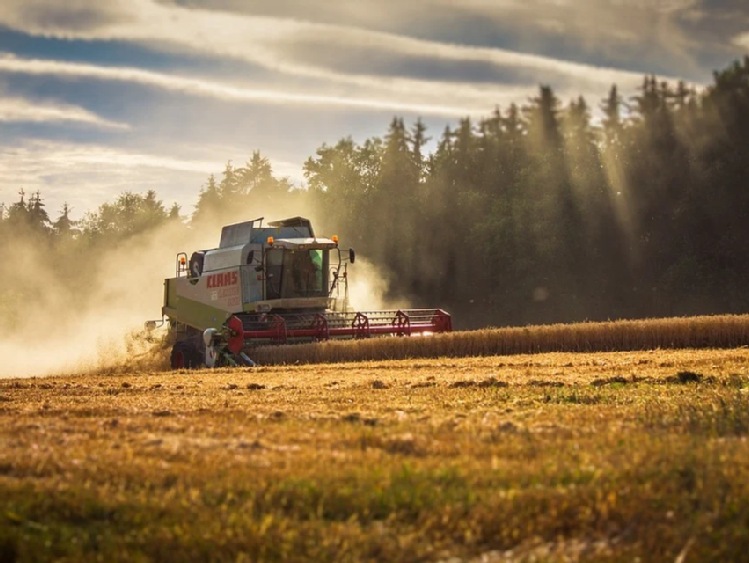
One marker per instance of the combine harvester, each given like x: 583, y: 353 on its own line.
x: 276, y: 284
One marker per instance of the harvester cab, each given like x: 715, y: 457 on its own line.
x: 268, y: 285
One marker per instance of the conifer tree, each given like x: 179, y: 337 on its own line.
x: 64, y: 226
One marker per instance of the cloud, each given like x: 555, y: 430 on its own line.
x: 323, y: 56
x: 68, y: 19
x: 644, y: 36
x: 684, y: 38
x: 742, y: 40
x: 23, y: 110
x: 629, y: 34
x: 429, y: 102
x: 87, y: 175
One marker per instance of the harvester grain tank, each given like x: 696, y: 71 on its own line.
x: 272, y: 284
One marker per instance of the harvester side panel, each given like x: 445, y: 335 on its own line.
x: 206, y: 301
x: 170, y: 293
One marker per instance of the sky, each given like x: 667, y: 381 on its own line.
x: 98, y: 98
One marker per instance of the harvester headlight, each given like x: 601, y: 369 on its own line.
x: 269, y: 240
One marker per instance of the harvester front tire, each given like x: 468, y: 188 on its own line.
x: 185, y: 355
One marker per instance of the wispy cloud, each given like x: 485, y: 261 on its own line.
x: 23, y: 110
x: 402, y: 95
x: 87, y: 175
x: 316, y: 52
x: 683, y: 38
x: 742, y: 40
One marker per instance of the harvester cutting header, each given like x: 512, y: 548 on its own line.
x: 271, y: 285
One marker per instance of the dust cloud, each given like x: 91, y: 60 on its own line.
x: 85, y: 313
x: 368, y: 289
x: 81, y: 309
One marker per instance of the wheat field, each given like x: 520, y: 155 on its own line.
x: 553, y: 456
x: 720, y: 331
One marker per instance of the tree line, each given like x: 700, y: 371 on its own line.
x: 539, y: 212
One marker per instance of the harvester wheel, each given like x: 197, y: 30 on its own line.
x: 185, y: 355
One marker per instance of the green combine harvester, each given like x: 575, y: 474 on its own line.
x: 273, y: 284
